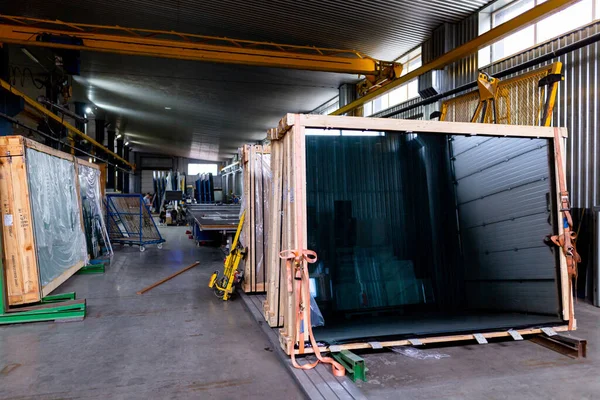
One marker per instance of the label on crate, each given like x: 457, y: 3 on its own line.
x: 8, y: 220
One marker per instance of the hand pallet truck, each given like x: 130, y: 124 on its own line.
x: 226, y: 285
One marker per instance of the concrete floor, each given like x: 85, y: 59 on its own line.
x: 177, y: 341
x: 506, y: 370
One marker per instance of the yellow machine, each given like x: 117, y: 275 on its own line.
x: 225, y: 286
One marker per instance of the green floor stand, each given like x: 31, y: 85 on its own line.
x: 91, y: 269
x: 355, y: 365
x: 58, y: 307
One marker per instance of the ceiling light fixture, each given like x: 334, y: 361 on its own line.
x: 126, y: 143
x: 119, y: 136
x: 167, y: 108
x: 88, y: 110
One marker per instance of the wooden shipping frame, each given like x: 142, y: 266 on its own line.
x: 288, y: 225
x: 21, y: 268
x: 253, y: 182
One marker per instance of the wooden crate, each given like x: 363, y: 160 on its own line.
x: 288, y: 225
x: 256, y: 166
x: 20, y: 256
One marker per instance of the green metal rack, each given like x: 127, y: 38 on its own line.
x: 51, y: 308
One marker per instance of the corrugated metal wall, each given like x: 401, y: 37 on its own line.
x: 577, y: 108
x: 502, y: 187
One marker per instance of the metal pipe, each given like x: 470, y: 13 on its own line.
x: 15, y: 121
x: 546, y: 57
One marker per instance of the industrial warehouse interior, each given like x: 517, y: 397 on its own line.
x: 299, y: 199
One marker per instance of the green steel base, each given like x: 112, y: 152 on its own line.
x: 59, y: 307
x: 91, y: 269
x: 355, y: 365
x: 56, y: 298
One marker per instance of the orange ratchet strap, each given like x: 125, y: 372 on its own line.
x: 566, y: 241
x: 298, y: 279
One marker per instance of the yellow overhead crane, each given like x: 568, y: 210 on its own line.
x: 381, y: 76
x: 169, y: 44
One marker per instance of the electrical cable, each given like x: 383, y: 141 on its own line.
x: 30, y: 129
x: 15, y: 70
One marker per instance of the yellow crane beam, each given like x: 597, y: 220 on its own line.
x: 521, y: 21
x: 169, y: 44
x: 40, y: 108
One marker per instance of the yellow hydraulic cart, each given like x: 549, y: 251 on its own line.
x: 226, y: 285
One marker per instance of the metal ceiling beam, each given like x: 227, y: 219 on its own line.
x: 38, y: 107
x: 169, y: 44
x: 521, y: 21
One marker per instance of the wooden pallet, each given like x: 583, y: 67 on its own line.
x: 288, y: 226
x: 18, y: 238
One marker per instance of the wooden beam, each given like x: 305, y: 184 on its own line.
x: 417, y: 126
x: 181, y: 271
x: 428, y: 340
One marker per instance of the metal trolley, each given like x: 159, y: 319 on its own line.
x: 129, y: 221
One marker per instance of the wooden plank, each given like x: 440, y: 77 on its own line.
x: 19, y: 256
x: 284, y: 125
x: 430, y: 340
x: 59, y: 280
x: 257, y: 288
x: 562, y: 275
x: 419, y: 126
x: 48, y: 150
x: 273, y: 301
x: 288, y: 242
x: 81, y: 161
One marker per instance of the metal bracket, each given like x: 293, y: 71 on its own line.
x: 515, y: 335
x: 335, y: 349
x: 376, y: 345
x: 549, y: 331
x: 569, y: 346
x: 415, y: 342
x: 480, y: 338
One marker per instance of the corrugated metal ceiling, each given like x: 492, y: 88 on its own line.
x: 219, y: 107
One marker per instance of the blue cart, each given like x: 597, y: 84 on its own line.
x: 129, y: 221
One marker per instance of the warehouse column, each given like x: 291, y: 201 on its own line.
x: 126, y: 177
x: 10, y: 104
x: 110, y: 179
x: 120, y: 174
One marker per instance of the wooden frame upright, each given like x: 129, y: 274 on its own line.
x: 288, y: 225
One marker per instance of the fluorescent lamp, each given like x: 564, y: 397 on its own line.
x: 119, y: 136
x: 167, y: 108
x: 126, y: 143
x: 31, y: 56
